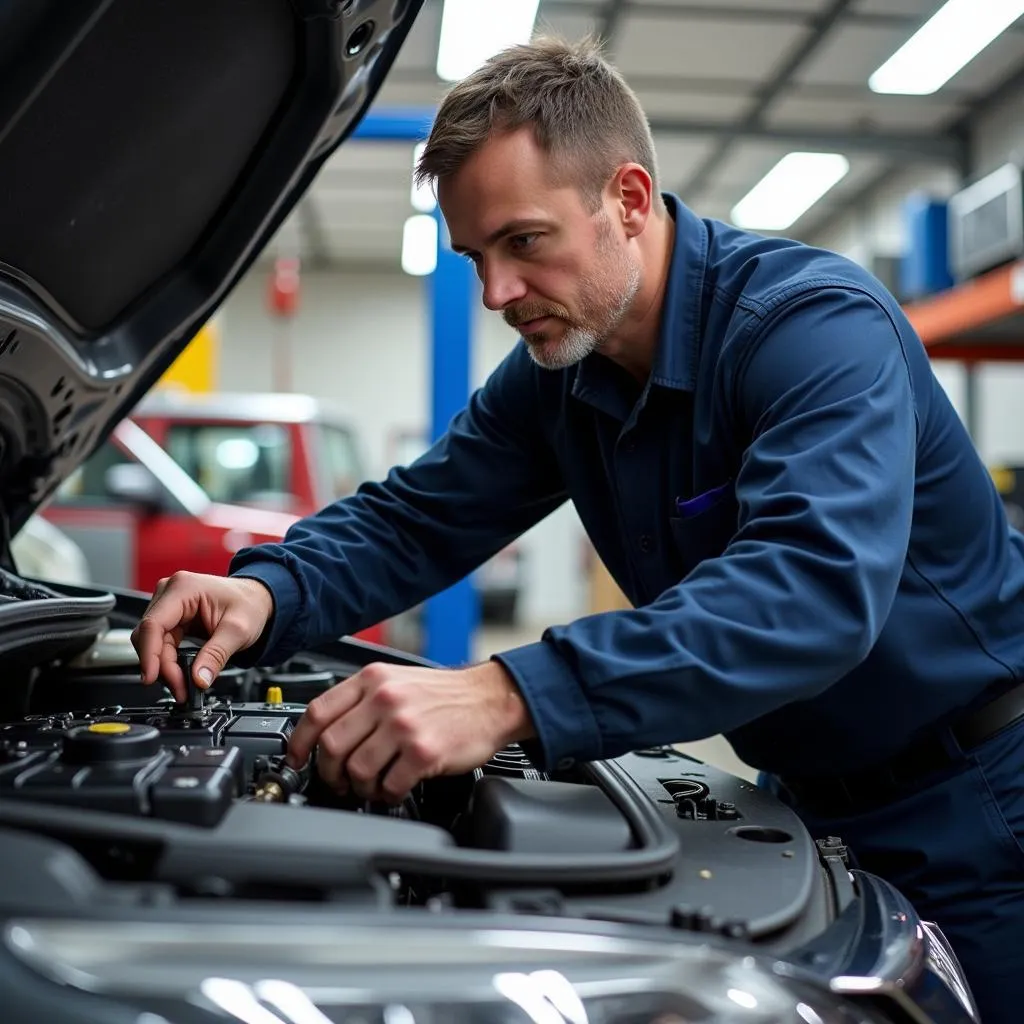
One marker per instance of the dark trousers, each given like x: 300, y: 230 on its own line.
x: 956, y: 850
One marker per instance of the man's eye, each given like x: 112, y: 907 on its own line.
x: 522, y: 242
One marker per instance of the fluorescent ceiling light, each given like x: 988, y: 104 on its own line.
x: 950, y: 39
x: 474, y: 30
x: 419, y: 245
x: 789, y: 189
x: 422, y: 198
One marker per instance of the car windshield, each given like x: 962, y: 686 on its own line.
x: 239, y: 464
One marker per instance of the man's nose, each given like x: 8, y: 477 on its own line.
x: 501, y: 287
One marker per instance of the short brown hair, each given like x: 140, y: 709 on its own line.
x: 580, y: 108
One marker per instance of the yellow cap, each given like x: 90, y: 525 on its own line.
x: 110, y: 728
x: 274, y: 695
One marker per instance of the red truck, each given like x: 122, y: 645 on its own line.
x: 188, y: 479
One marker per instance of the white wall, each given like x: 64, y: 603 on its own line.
x: 364, y: 339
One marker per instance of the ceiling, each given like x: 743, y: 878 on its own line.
x: 729, y: 86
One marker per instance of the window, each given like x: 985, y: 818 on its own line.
x: 239, y: 464
x: 342, y: 468
x: 87, y: 485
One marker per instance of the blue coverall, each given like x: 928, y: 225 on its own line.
x: 819, y: 561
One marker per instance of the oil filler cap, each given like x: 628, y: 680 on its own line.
x: 106, y: 742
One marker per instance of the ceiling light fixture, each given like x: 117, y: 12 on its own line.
x: 789, y: 189
x: 474, y: 30
x: 948, y: 41
x: 419, y: 245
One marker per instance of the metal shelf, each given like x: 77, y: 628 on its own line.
x: 980, y: 320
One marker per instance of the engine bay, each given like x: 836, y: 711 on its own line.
x: 196, y: 801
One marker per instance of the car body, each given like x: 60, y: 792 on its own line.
x: 162, y: 863
x: 138, y: 516
x: 281, y: 452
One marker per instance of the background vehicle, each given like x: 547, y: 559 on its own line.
x: 282, y: 452
x: 138, y: 516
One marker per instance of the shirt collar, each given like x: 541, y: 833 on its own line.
x: 675, y: 359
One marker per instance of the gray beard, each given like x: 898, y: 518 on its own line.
x: 580, y: 342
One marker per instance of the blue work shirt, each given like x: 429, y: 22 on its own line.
x: 818, y: 560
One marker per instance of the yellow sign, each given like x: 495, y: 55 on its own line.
x: 110, y: 728
x: 1004, y: 479
x: 196, y: 368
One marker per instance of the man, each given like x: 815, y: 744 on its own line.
x: 819, y: 564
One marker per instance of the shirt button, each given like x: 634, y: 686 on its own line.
x: 631, y: 446
x: 646, y: 543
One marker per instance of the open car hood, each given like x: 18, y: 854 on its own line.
x: 148, y: 152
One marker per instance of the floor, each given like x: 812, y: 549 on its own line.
x: 714, y: 751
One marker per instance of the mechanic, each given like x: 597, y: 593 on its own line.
x: 819, y: 564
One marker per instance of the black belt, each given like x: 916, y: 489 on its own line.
x: 926, y: 757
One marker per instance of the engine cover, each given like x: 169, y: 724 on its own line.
x: 166, y: 762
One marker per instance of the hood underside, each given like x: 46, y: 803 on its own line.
x: 148, y: 152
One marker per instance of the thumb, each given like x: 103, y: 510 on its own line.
x: 225, y: 640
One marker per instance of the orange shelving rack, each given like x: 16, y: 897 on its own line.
x: 981, y: 320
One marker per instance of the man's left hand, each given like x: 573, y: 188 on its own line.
x: 388, y: 727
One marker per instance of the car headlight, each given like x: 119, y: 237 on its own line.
x: 414, y: 974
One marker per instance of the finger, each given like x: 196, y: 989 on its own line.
x: 165, y: 613
x: 339, y: 740
x: 401, y: 778
x: 148, y: 639
x: 321, y: 712
x: 369, y: 760
x: 228, y: 637
x: 170, y: 671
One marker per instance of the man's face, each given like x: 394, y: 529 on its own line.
x: 558, y: 271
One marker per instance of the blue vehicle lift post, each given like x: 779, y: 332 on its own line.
x: 451, y: 616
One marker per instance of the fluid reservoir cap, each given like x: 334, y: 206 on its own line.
x: 274, y: 695
x: 106, y: 742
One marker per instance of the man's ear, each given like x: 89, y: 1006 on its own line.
x: 634, y: 196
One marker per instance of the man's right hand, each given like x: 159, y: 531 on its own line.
x: 231, y: 611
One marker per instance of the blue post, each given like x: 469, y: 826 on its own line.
x: 452, y: 615
x: 395, y: 124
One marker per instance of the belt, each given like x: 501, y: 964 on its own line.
x: 928, y: 756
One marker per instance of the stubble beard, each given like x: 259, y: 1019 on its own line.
x: 599, y: 320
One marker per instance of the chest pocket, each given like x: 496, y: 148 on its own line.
x: 703, y: 526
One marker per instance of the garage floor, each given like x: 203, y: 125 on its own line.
x: 715, y: 751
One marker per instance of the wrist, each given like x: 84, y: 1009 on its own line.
x: 513, y: 722
x: 262, y: 595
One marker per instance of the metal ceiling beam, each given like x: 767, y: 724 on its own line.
x: 908, y: 23
x: 823, y: 25
x: 904, y: 145
x: 703, y: 84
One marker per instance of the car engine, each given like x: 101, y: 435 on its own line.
x: 125, y: 813
x: 147, y: 789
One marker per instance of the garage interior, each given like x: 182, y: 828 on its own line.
x: 347, y: 307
